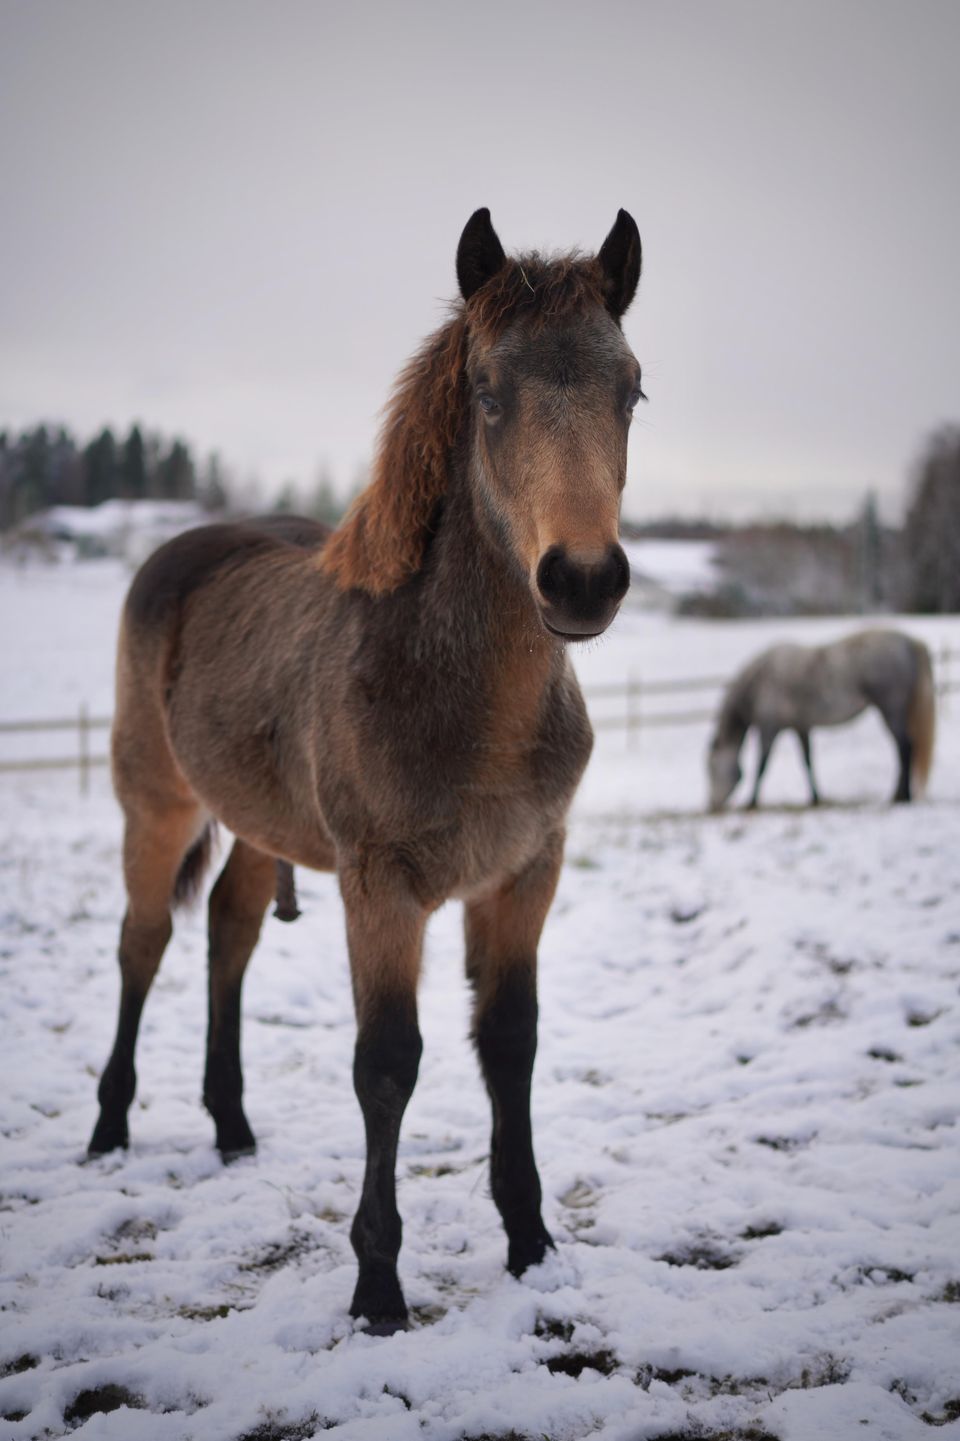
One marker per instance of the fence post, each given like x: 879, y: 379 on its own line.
x: 84, y: 750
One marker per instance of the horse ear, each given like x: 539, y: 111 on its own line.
x: 620, y: 259
x: 479, y: 254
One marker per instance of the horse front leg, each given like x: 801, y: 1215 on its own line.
x: 385, y: 927
x: 767, y: 738
x: 804, y: 737
x: 502, y: 934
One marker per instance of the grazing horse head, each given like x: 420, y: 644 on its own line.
x: 552, y: 385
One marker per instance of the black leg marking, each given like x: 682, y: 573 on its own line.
x: 141, y: 948
x: 223, y: 1078
x: 506, y: 1038
x: 237, y: 905
x: 386, y: 1062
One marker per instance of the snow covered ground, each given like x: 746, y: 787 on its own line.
x: 745, y: 1108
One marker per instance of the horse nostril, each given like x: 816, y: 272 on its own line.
x: 614, y: 580
x: 553, y: 580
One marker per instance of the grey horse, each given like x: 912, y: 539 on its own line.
x: 797, y: 687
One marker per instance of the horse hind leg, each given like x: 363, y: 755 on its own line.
x: 905, y: 757
x: 163, y: 855
x: 895, y: 719
x: 237, y: 905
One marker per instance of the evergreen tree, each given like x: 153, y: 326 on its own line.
x: 176, y: 478
x: 212, y: 491
x: 324, y: 503
x: 133, y: 466
x: 6, y: 481
x: 288, y: 499
x: 100, y: 469
x: 33, y: 481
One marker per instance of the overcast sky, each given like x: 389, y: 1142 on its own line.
x: 235, y: 220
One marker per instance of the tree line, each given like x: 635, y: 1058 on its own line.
x: 45, y: 465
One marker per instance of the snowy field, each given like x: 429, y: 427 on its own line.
x: 745, y: 1109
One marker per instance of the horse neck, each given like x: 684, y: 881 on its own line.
x: 733, y: 722
x: 475, y: 610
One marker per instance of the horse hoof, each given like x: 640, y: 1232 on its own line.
x: 234, y: 1136
x: 379, y: 1301
x: 229, y: 1154
x: 108, y: 1136
x: 388, y: 1326
x: 521, y: 1255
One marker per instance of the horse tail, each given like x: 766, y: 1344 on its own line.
x: 189, y: 879
x: 921, y: 718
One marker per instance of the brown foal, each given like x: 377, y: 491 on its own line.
x: 394, y: 702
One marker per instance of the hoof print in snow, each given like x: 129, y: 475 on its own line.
x: 272, y: 1430
x: 19, y: 1364
x: 702, y: 1255
x: 575, y: 1360
x: 573, y: 1363
x: 885, y: 1275
x: 761, y: 1231
x: 99, y: 1400
x: 280, y: 1253
x: 827, y: 1014
x: 698, y: 1434
x: 668, y: 1376
x: 923, y: 1018
x: 950, y: 1412
x: 787, y: 1144
x: 682, y: 915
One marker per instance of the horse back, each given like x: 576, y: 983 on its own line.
x: 168, y: 578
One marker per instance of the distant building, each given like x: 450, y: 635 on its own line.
x: 664, y: 572
x: 126, y: 529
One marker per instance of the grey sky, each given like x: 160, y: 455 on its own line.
x: 236, y: 220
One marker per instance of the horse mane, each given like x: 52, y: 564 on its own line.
x: 380, y: 542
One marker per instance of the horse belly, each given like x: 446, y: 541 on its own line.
x: 264, y: 798
x: 838, y: 705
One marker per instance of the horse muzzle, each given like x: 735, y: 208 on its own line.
x: 578, y: 599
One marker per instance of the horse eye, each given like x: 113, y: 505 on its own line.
x: 487, y: 404
x: 635, y: 395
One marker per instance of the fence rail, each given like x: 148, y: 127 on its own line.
x: 631, y: 715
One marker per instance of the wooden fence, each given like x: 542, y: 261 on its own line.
x: 630, y: 697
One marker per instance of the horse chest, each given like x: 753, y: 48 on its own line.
x: 465, y: 791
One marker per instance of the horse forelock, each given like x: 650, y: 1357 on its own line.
x: 536, y: 289
x: 381, y: 541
